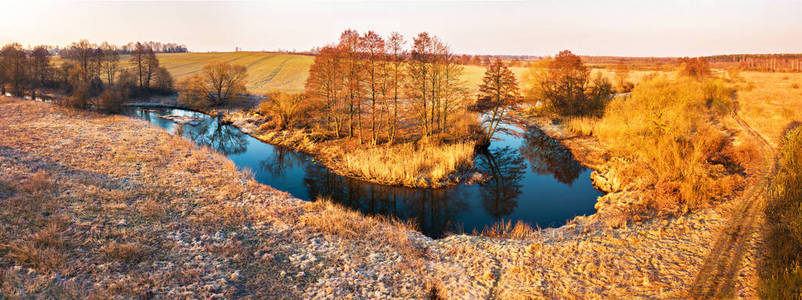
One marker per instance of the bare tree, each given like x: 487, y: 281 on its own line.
x: 419, y: 75
x: 111, y: 62
x: 350, y: 43
x: 326, y: 81
x: 138, y: 60
x: 40, y: 69
x: 83, y: 53
x: 151, y: 66
x: 395, y: 50
x: 13, y: 61
x: 374, y: 54
x: 218, y: 83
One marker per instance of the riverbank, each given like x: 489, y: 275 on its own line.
x: 421, y: 164
x: 108, y: 205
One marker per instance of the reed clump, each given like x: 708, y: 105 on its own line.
x: 781, y: 272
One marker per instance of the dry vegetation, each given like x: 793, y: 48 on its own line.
x: 782, y: 268
x: 769, y: 102
x: 673, y: 138
x: 427, y: 163
x: 109, y: 206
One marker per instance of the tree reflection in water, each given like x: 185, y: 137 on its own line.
x: 434, y: 211
x: 506, y: 168
x: 211, y: 132
x: 548, y: 156
x: 282, y: 159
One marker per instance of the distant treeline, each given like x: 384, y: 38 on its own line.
x: 89, y: 76
x: 157, y: 47
x: 758, y: 62
x: 745, y: 62
x: 637, y: 63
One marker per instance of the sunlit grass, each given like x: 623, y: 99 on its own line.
x: 781, y: 271
x: 769, y: 103
x: 409, y: 164
x: 412, y: 164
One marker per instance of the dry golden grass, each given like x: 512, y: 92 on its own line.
x: 781, y: 270
x: 770, y: 103
x: 668, y: 138
x: 583, y: 126
x: 127, y: 252
x: 409, y: 164
x: 414, y: 164
x: 108, y: 206
x: 506, y: 230
x: 331, y: 218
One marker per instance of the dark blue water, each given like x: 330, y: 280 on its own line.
x: 534, y: 179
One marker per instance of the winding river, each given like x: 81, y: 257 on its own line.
x: 534, y: 179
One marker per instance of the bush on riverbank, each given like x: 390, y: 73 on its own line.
x: 782, y: 270
x: 668, y: 134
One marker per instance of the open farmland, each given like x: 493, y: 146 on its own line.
x: 276, y: 71
x: 268, y: 71
x: 770, y: 102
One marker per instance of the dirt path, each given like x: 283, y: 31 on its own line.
x: 725, y: 269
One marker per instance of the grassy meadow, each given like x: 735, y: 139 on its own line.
x: 770, y: 102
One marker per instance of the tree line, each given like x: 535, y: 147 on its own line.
x: 89, y: 75
x: 377, y: 78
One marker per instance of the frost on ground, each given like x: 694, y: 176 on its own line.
x: 108, y: 206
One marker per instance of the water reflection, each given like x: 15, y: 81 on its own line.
x: 553, y: 189
x: 548, y: 157
x: 434, y: 211
x: 211, y: 132
x: 506, y: 168
x: 282, y: 159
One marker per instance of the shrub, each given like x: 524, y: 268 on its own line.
x: 696, y: 67
x: 111, y: 100
x: 79, y: 98
x: 192, y: 93
x: 286, y: 109
x: 782, y: 270
x: 664, y: 130
x: 795, y: 86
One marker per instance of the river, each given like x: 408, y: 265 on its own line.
x: 534, y: 179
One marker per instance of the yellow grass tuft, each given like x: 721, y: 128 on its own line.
x: 409, y: 164
x: 126, y: 252
x: 507, y: 230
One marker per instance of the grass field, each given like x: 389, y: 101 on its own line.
x: 770, y: 102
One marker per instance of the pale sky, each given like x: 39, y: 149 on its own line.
x: 619, y: 28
